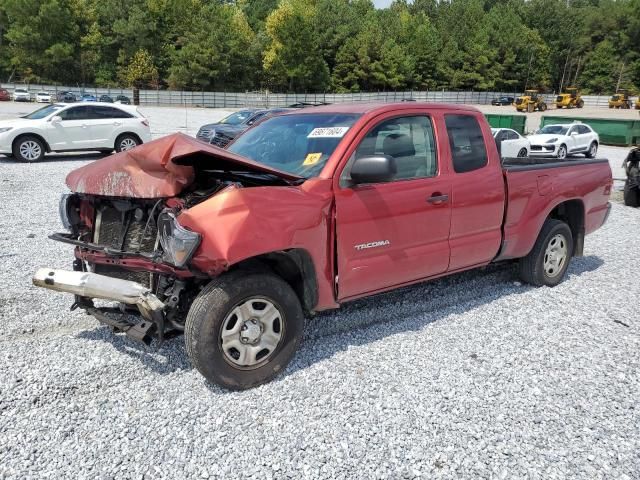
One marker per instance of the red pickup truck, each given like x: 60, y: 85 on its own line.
x: 303, y: 212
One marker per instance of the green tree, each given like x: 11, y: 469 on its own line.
x: 601, y: 69
x: 292, y: 59
x: 140, y: 72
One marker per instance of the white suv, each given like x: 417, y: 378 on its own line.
x: 564, y: 139
x: 21, y: 95
x: 71, y: 127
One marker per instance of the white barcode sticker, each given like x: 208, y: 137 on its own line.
x: 328, y: 132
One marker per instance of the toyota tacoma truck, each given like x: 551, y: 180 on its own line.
x: 303, y: 212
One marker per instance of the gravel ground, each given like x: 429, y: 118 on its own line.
x: 472, y: 376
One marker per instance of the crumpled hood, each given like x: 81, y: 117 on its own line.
x: 542, y: 138
x: 160, y: 168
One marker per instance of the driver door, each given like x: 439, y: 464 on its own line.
x: 73, y: 131
x: 393, y: 232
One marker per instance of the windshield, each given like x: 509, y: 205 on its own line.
x: 43, y: 112
x: 554, y: 129
x: 20, y: 90
x: 300, y: 144
x: 237, y: 118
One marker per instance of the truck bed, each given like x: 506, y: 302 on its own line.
x: 538, y: 163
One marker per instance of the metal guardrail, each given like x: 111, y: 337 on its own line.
x: 268, y: 99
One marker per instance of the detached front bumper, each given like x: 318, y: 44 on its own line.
x: 88, y: 286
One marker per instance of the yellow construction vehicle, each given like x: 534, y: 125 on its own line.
x: 530, y: 102
x: 638, y: 104
x: 569, y: 99
x: 620, y: 100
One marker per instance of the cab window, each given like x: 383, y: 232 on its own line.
x: 409, y: 140
x: 468, y: 150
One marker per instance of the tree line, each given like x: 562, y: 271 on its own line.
x: 323, y: 45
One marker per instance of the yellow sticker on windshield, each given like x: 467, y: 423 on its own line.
x: 312, y: 158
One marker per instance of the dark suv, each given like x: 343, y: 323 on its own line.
x: 221, y: 133
x: 502, y: 101
x: 66, y: 97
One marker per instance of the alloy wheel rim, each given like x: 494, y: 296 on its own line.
x: 127, y: 144
x: 30, y: 150
x: 555, y: 255
x: 593, y: 151
x: 562, y: 153
x: 251, y: 332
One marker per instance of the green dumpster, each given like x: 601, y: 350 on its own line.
x: 612, y: 132
x: 516, y: 122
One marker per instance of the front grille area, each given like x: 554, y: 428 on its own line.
x: 121, y: 230
x: 143, y: 278
x: 124, y: 229
x: 221, y: 140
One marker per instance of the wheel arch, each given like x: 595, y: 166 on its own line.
x: 573, y: 214
x: 133, y: 134
x: 47, y: 148
x: 295, y: 266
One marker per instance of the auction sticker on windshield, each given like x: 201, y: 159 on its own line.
x: 328, y: 132
x: 312, y: 159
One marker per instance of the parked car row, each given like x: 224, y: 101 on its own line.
x: 559, y: 141
x: 24, y: 95
x: 62, y: 127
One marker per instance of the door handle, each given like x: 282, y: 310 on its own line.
x: 438, y: 199
x: 117, y: 124
x: 84, y: 125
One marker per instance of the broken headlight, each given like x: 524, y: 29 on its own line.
x: 68, y: 214
x: 177, y: 242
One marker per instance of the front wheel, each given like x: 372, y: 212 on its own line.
x: 580, y: 103
x: 28, y: 149
x: 126, y: 141
x: 562, y: 152
x: 243, y: 329
x: 543, y: 107
x: 522, y: 153
x: 549, y: 259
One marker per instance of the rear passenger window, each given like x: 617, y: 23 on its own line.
x: 409, y: 140
x: 468, y: 150
x: 100, y: 112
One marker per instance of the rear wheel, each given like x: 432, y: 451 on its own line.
x: 543, y: 107
x: 28, y: 149
x: 126, y: 141
x: 593, y: 150
x: 549, y: 259
x: 522, y: 153
x: 243, y: 329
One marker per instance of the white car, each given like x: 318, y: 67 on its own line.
x: 62, y: 127
x: 510, y: 143
x: 43, y: 97
x: 564, y: 139
x: 21, y: 95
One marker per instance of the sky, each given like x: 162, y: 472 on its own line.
x: 382, y: 3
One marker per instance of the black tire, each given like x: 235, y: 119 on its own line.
x: 125, y: 141
x: 214, y: 304
x: 532, y: 269
x: 543, y: 107
x: 631, y: 195
x: 580, y: 103
x: 28, y: 143
x: 593, y: 150
x: 522, y: 153
x: 562, y: 152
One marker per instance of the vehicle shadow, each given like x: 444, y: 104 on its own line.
x: 57, y: 157
x: 363, y: 321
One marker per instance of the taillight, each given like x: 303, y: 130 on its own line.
x: 145, y: 122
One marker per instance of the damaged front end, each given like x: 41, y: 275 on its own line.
x: 130, y: 247
x: 130, y: 251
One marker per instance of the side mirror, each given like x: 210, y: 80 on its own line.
x: 573, y: 134
x: 56, y: 119
x: 373, y: 169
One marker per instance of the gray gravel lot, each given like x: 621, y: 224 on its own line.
x: 472, y: 376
